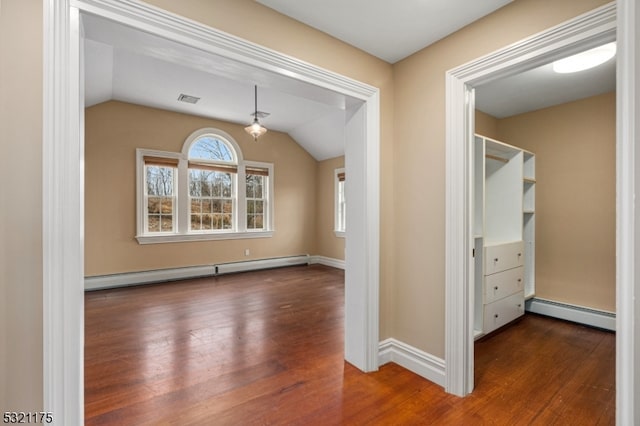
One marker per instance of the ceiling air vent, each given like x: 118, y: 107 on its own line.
x: 188, y: 99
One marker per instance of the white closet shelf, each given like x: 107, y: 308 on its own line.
x: 499, y: 243
x: 504, y: 258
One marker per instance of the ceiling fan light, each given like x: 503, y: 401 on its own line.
x: 255, y: 129
x: 585, y: 60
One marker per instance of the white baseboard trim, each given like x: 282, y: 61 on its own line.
x: 172, y: 274
x: 327, y: 261
x: 423, y: 364
x: 579, y: 314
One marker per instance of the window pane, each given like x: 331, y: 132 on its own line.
x: 254, y: 186
x: 217, y: 221
x: 159, y: 180
x: 167, y: 223
x: 196, y: 205
x: 259, y: 187
x: 195, y: 221
x: 259, y: 206
x: 227, y: 206
x: 258, y: 221
x: 207, y: 221
x: 227, y: 221
x: 153, y: 205
x: 251, y: 206
x: 166, y: 206
x: 217, y: 206
x: 211, y: 148
x: 226, y: 185
x: 250, y: 186
x: 206, y: 205
x: 153, y: 223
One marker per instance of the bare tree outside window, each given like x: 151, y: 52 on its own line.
x: 160, y: 198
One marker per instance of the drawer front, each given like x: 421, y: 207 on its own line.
x: 502, y: 284
x: 502, y: 257
x: 503, y: 311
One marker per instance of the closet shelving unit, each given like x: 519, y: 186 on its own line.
x: 504, y: 232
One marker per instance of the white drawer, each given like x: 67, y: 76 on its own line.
x: 503, y: 256
x: 503, y: 311
x: 502, y: 284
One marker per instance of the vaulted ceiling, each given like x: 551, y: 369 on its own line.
x: 132, y: 66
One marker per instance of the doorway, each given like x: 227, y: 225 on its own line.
x: 586, y: 31
x: 63, y: 171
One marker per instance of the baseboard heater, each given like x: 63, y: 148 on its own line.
x: 172, y: 274
x: 579, y: 314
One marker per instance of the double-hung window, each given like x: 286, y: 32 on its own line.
x: 160, y: 193
x: 206, y: 192
x: 257, y: 196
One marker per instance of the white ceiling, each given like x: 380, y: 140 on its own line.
x: 390, y: 30
x: 541, y: 88
x: 132, y: 66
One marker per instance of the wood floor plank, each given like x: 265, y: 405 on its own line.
x: 266, y: 347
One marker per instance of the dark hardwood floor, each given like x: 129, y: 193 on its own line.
x: 266, y: 347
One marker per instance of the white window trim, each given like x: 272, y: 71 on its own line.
x: 340, y: 233
x: 181, y: 218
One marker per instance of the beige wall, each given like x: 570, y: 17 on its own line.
x: 113, y: 132
x: 419, y: 158
x: 412, y: 179
x: 328, y: 244
x: 575, y: 147
x: 21, y: 203
x: 486, y: 125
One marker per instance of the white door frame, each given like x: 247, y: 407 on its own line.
x: 63, y: 172
x: 584, y: 31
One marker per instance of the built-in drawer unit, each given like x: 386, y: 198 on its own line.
x: 501, y: 257
x: 503, y: 284
x: 503, y: 311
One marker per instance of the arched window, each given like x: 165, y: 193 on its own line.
x: 213, y: 169
x: 210, y: 192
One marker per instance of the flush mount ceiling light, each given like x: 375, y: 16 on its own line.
x: 255, y: 129
x: 585, y: 60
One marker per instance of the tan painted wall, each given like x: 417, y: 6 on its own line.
x: 419, y: 157
x: 575, y: 147
x: 21, y: 204
x: 113, y: 132
x: 486, y: 125
x: 327, y: 243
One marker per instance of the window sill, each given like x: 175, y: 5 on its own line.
x: 183, y: 238
x: 340, y: 234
